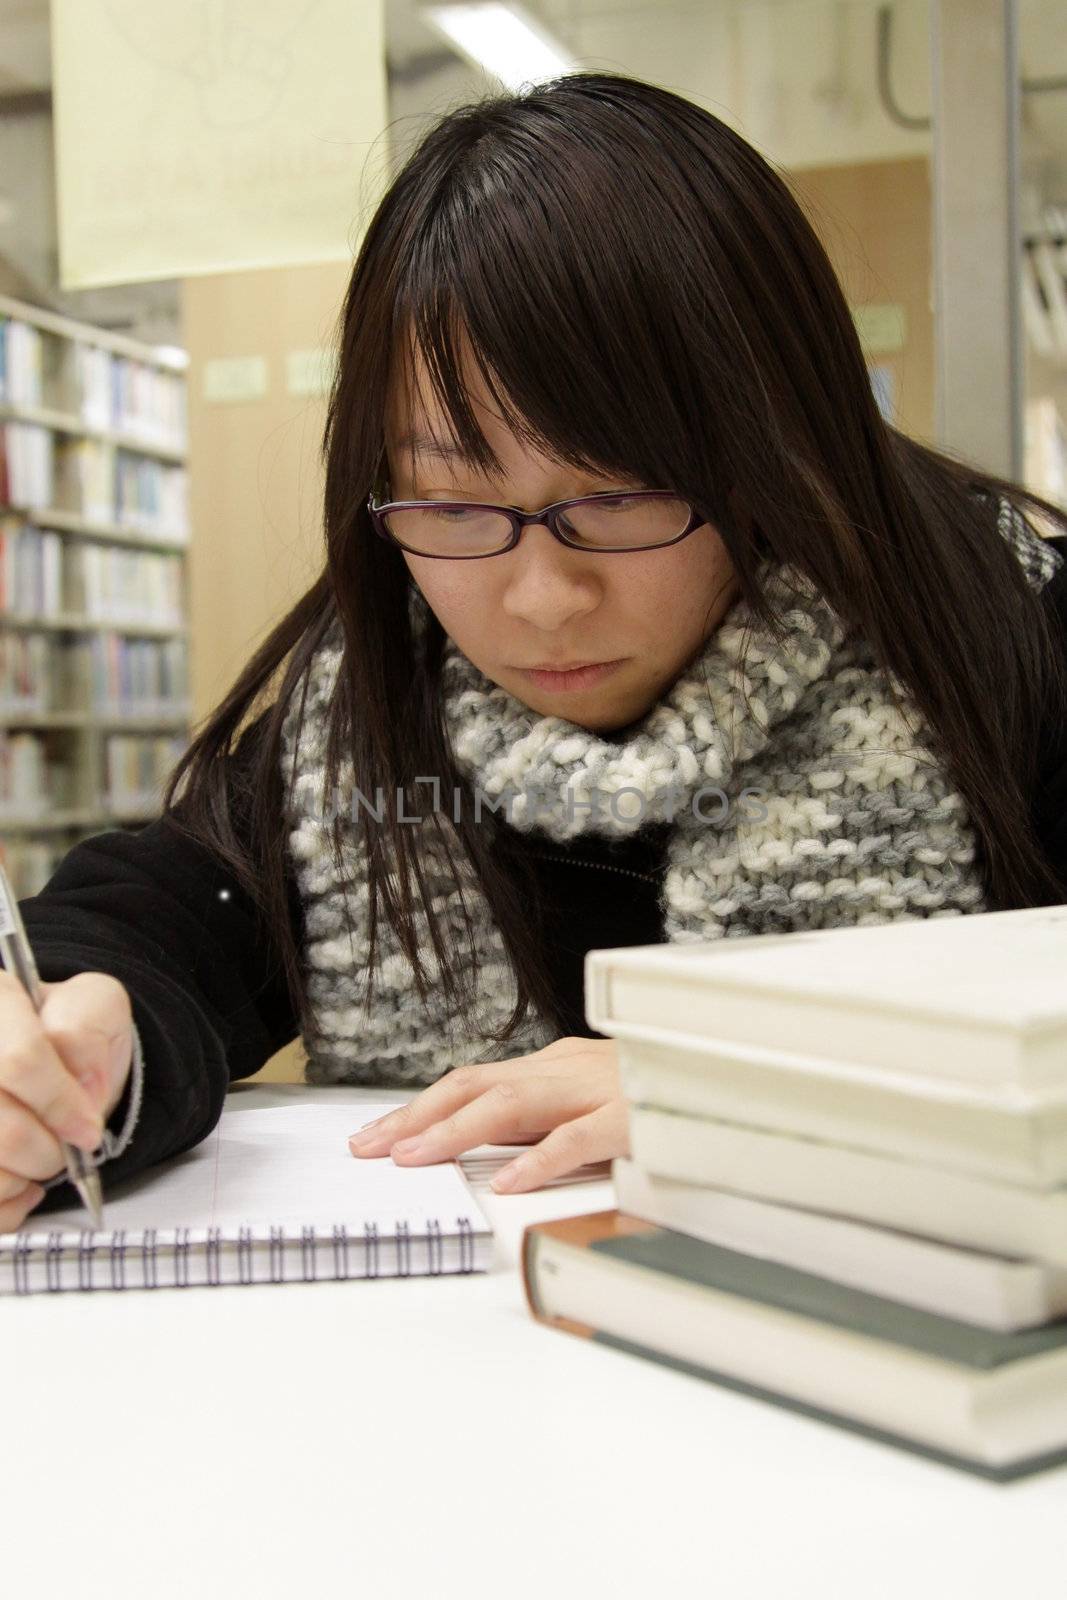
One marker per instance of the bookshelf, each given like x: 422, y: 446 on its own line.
x: 94, y: 540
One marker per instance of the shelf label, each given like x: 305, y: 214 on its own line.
x: 230, y: 378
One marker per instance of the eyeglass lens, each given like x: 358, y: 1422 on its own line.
x: 626, y: 521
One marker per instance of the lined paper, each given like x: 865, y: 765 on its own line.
x: 286, y: 1166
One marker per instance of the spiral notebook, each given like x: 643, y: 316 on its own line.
x: 271, y: 1196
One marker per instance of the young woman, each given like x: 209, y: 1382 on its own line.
x: 600, y: 401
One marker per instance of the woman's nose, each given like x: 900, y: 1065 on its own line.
x: 547, y: 582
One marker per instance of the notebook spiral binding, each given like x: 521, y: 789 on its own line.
x: 102, y: 1261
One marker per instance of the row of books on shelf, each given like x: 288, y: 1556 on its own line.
x: 107, y: 674
x: 42, y: 470
x: 21, y: 363
x: 29, y: 863
x: 136, y: 768
x: 846, y: 1188
x: 27, y: 465
x: 33, y: 674
x: 139, y: 494
x: 146, y: 677
x: 36, y: 781
x: 34, y: 777
x: 42, y: 574
x: 103, y: 388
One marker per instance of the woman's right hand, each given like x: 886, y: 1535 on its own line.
x: 62, y: 1073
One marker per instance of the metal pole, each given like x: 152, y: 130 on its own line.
x: 977, y: 317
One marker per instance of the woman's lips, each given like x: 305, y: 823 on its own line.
x: 563, y: 682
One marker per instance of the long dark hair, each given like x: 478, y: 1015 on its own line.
x: 642, y: 295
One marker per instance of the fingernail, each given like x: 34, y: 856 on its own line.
x: 86, y: 1135
x: 361, y: 1147
x: 506, y: 1178
x: 366, y: 1135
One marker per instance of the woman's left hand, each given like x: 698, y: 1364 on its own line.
x: 567, y: 1096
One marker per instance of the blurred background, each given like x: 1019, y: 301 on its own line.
x: 182, y: 191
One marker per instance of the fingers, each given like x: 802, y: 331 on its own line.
x: 580, y: 1067
x: 508, y: 1110
x: 27, y: 1149
x: 33, y: 1073
x: 514, y: 1107
x: 41, y: 1101
x: 89, y: 1021
x: 14, y: 1211
x: 600, y: 1135
x: 439, y: 1100
x: 570, y: 1089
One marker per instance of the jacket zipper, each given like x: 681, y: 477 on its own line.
x: 646, y: 877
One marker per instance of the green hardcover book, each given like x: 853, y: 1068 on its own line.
x: 991, y: 1403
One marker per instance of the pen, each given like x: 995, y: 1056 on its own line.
x: 17, y: 957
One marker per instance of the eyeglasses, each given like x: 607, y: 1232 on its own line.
x: 460, y: 530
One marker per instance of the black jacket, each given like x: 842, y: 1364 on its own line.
x: 162, y: 915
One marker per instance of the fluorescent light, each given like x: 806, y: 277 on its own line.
x: 503, y: 39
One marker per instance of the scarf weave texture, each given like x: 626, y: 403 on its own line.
x: 798, y: 793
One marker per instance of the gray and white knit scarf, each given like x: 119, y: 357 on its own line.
x: 798, y: 794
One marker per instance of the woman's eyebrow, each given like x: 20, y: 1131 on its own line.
x: 422, y: 444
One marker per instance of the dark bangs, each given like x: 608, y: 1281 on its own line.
x: 593, y: 337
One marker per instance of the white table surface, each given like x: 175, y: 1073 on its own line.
x: 428, y: 1437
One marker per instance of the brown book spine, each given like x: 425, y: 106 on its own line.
x: 580, y: 1232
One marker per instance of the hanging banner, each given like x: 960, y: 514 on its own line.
x: 214, y: 135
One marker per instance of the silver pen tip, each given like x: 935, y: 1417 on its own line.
x: 92, y: 1195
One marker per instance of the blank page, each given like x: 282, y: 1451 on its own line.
x: 284, y: 1165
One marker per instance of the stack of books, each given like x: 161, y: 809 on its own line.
x: 847, y: 1186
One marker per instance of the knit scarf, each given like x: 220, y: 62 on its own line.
x: 797, y: 792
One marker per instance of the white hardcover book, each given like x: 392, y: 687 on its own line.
x: 989, y: 1291
x: 1008, y: 1134
x: 1002, y: 1218
x: 976, y: 999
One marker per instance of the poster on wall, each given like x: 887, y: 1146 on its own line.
x: 214, y: 135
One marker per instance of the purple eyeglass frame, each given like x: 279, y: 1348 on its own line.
x: 520, y: 520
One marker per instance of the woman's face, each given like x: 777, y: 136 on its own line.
x: 543, y: 602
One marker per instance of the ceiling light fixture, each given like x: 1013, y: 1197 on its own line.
x: 502, y: 39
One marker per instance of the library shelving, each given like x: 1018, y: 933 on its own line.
x: 94, y: 539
